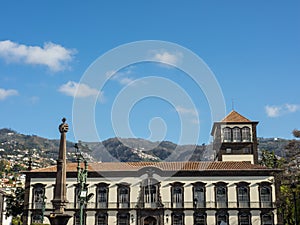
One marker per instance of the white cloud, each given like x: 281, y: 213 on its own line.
x: 123, y: 76
x: 196, y: 121
x: 6, y: 93
x: 54, y: 56
x: 183, y: 110
x: 273, y: 111
x: 125, y: 80
x: 279, y: 110
x: 292, y: 107
x: 78, y: 90
x: 192, y: 113
x: 167, y: 57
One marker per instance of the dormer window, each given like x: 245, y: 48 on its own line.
x: 236, y: 134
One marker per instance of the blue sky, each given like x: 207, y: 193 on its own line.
x: 252, y: 48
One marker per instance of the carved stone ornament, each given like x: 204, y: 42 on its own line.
x: 64, y: 127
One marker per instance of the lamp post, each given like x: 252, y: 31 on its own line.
x: 294, y: 189
x: 82, y: 172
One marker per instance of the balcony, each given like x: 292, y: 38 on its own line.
x: 167, y: 205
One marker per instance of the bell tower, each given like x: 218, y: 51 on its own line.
x: 235, y: 139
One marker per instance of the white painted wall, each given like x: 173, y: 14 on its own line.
x: 238, y: 158
x: 165, y: 191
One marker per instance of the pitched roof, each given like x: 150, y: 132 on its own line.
x: 164, y: 166
x: 234, y: 116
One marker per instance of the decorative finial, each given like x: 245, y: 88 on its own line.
x: 64, y: 127
x: 232, y: 104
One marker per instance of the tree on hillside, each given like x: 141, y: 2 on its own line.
x: 293, y: 147
x: 270, y: 160
x: 288, y: 178
x: 15, y: 203
x: 290, y: 182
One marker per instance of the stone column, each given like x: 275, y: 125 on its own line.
x: 58, y: 217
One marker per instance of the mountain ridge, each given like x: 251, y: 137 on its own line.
x: 43, y: 151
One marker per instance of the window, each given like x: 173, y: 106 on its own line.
x: 267, y: 219
x: 77, y: 219
x: 246, y: 150
x: 123, y: 219
x: 243, y: 195
x: 123, y: 195
x: 265, y: 197
x: 177, y: 195
x: 226, y: 134
x: 236, y: 134
x: 246, y: 134
x: 39, y: 196
x: 221, y: 195
x: 222, y: 218
x: 244, y: 219
x: 101, y: 219
x: 199, y: 195
x: 150, y: 188
x: 150, y: 193
x: 177, y: 219
x: 102, y: 195
x: 199, y: 219
x: 37, y: 218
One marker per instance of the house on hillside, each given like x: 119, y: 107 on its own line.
x: 232, y: 190
x: 4, y: 219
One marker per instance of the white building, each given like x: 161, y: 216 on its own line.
x: 4, y: 219
x: 232, y: 190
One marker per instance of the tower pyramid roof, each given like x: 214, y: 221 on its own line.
x: 234, y: 116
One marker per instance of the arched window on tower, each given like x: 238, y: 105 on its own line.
x: 236, y: 134
x: 226, y: 134
x: 246, y: 136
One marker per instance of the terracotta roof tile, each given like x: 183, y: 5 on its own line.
x: 234, y: 116
x: 164, y: 166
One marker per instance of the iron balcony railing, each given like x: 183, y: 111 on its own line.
x: 166, y: 205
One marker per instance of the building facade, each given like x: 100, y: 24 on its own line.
x: 232, y: 190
